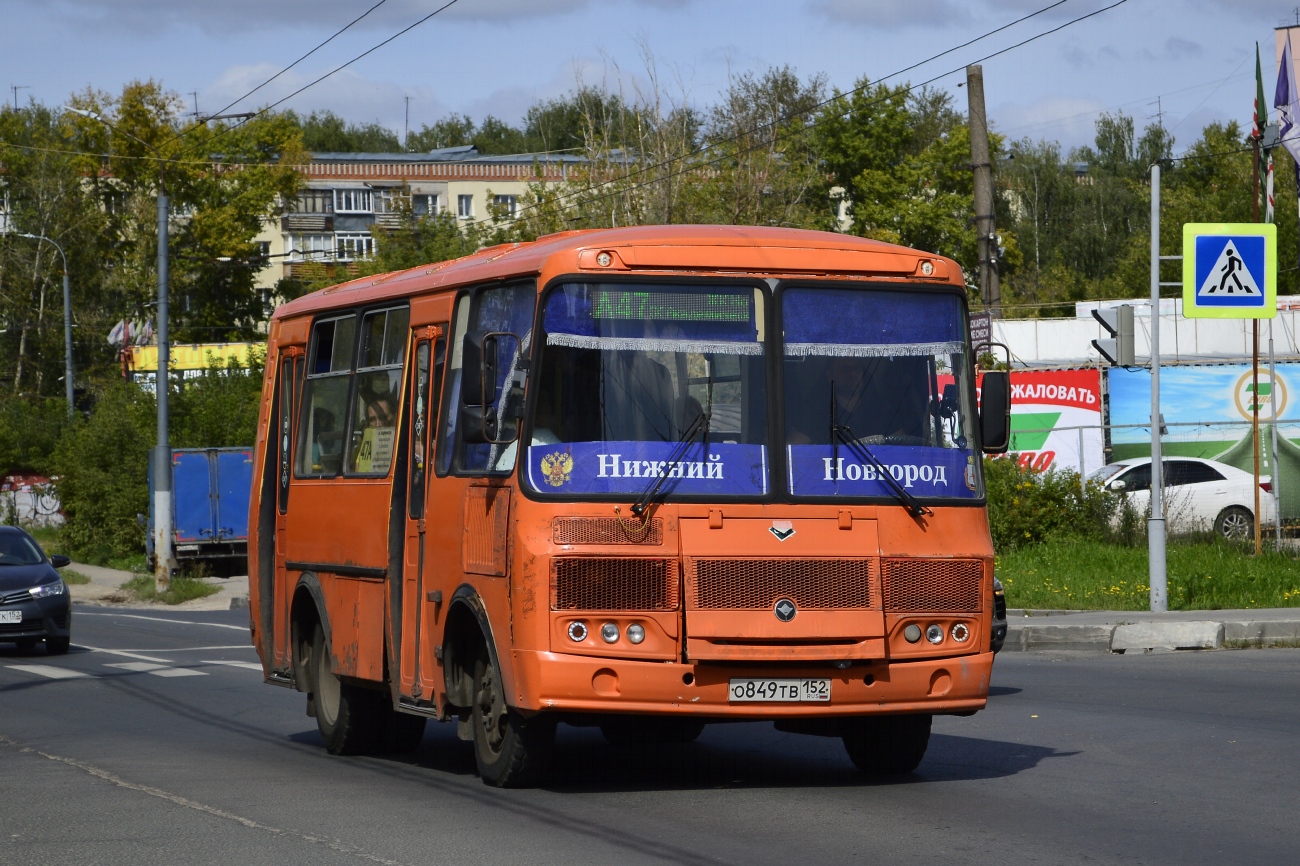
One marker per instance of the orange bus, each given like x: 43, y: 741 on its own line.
x: 646, y: 479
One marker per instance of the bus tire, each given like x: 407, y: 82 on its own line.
x: 348, y: 717
x: 887, y: 745
x: 510, y: 750
x: 650, y: 730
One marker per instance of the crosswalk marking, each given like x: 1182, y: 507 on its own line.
x: 157, y: 670
x: 252, y: 666
x: 51, y: 672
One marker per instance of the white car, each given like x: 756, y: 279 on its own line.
x: 1200, y: 495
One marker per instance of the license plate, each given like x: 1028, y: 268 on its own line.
x: 11, y: 616
x: 780, y: 690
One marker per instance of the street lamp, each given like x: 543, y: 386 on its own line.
x: 67, y: 318
x: 162, y: 454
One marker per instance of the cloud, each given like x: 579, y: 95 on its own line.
x: 892, y: 14
x: 237, y: 16
x: 1072, y: 122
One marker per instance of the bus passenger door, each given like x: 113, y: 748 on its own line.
x: 418, y: 610
x: 291, y: 370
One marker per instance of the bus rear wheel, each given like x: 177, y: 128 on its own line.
x: 887, y: 745
x: 348, y: 717
x: 510, y: 749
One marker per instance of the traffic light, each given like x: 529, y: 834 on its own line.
x: 1118, y: 322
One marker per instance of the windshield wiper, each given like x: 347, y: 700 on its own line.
x: 842, y: 433
x: 647, y: 496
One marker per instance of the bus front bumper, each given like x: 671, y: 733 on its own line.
x: 556, y: 682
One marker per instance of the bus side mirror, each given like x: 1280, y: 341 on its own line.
x: 995, y: 412
x: 479, y: 392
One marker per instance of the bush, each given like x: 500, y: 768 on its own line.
x: 102, y: 462
x: 1029, y: 507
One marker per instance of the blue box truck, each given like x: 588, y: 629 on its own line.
x: 210, y: 491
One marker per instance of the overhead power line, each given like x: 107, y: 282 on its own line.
x: 695, y: 166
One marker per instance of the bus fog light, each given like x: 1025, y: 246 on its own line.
x: 609, y: 632
x: 927, y: 268
x: 934, y: 633
x: 636, y: 633
x: 960, y: 632
x: 912, y: 633
x: 577, y: 631
x: 603, y: 259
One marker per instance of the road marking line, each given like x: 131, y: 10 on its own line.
x: 156, y: 670
x: 81, y: 613
x: 51, y: 672
x: 125, y: 654
x: 252, y: 666
x: 332, y: 844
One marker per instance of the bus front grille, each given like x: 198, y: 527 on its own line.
x: 932, y: 585
x: 758, y: 584
x: 600, y: 583
x: 606, y: 530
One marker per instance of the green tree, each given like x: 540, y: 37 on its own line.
x: 451, y: 131
x: 326, y: 132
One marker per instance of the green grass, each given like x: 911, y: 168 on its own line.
x: 72, y: 577
x: 1092, y: 575
x: 181, y: 589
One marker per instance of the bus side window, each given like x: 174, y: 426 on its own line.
x: 427, y: 384
x: 323, y: 417
x: 374, y: 408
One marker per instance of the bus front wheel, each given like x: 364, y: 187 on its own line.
x: 347, y: 716
x: 509, y: 749
x: 887, y: 745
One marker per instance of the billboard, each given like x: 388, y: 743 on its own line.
x: 1056, y: 419
x: 1207, y: 409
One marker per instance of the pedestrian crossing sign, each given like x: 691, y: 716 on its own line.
x: 1230, y: 270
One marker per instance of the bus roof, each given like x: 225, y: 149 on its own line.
x: 695, y: 248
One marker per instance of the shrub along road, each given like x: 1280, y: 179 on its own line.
x: 161, y: 745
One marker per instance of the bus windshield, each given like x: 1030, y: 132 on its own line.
x: 627, y: 370
x: 877, y: 379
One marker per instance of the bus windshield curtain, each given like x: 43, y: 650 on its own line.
x: 870, y: 324
x: 712, y: 320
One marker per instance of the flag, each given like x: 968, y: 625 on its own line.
x: 1287, y: 103
x: 1261, y: 107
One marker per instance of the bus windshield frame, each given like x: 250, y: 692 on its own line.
x: 742, y: 386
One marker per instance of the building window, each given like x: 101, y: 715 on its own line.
x: 426, y: 204
x: 465, y: 206
x: 315, y: 201
x: 264, y: 250
x: 388, y: 200
x: 507, y: 204
x: 310, y: 247
x: 352, y: 201
x: 353, y: 247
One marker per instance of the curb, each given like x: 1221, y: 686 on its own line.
x: 1130, y: 633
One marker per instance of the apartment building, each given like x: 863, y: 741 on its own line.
x: 346, y: 194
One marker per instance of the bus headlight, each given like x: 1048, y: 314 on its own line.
x: 934, y: 633
x: 609, y: 632
x: 636, y: 633
x: 960, y: 632
x: 577, y: 631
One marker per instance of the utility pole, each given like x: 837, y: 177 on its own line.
x: 15, y: 88
x: 406, y: 135
x: 985, y: 230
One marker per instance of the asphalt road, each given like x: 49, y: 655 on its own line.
x: 167, y: 748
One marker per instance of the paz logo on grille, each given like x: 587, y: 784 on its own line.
x: 785, y: 610
x: 782, y: 529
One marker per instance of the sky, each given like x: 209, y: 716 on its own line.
x: 1185, y: 63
